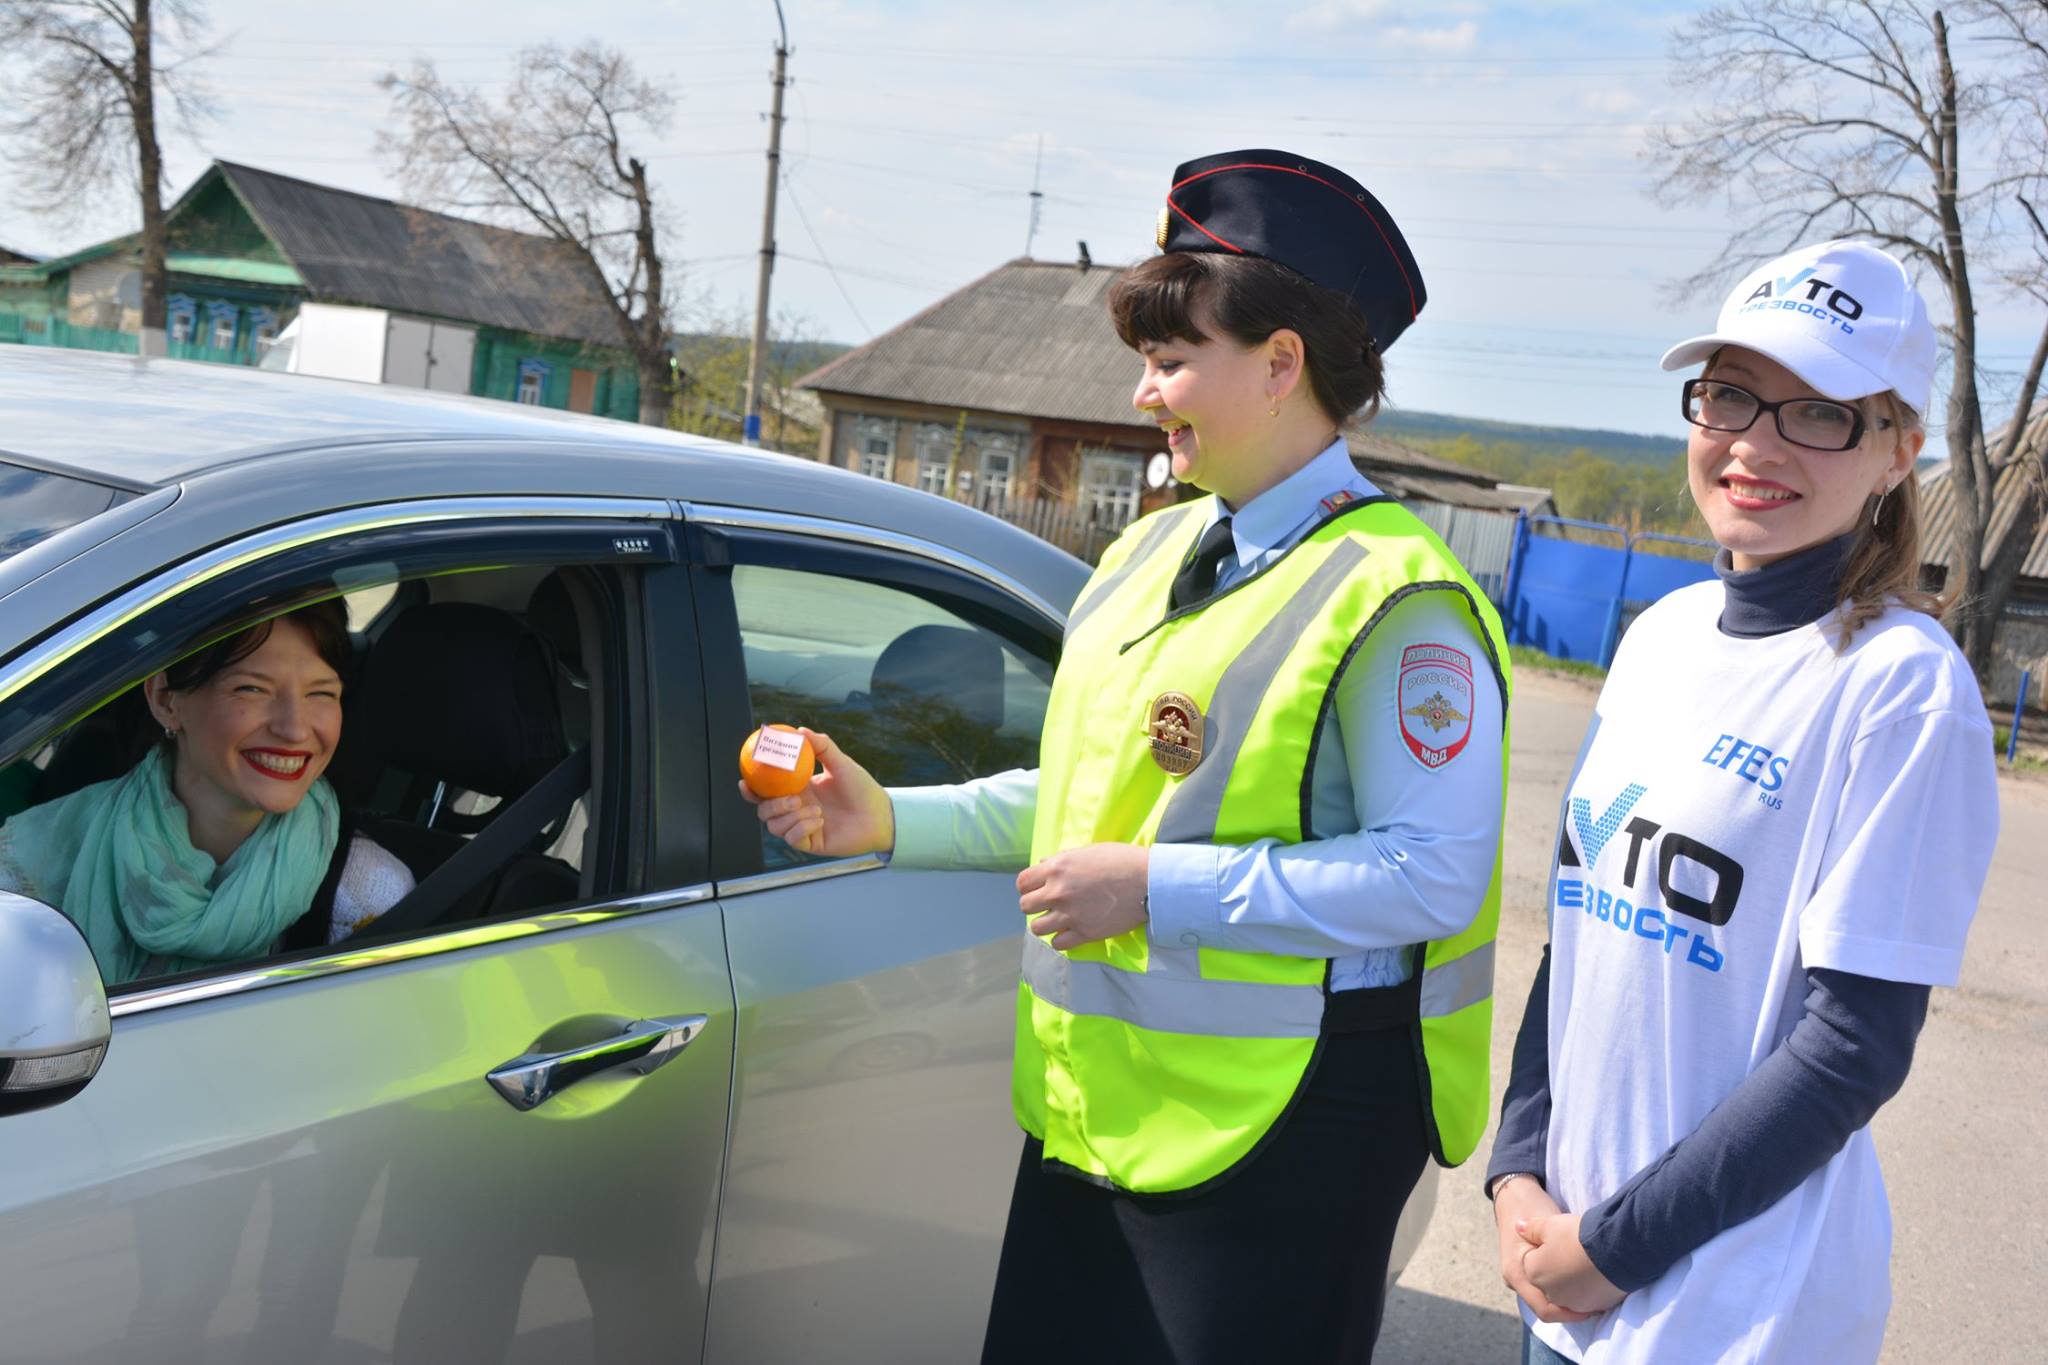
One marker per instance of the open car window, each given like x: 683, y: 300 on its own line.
x: 466, y: 689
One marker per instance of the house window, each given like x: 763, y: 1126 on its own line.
x: 263, y: 326
x: 874, y: 447
x: 533, y: 380
x: 220, y: 326
x: 876, y: 461
x: 1110, y: 482
x: 998, y: 466
x: 181, y: 316
x: 934, y: 458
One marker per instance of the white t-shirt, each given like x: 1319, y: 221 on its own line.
x: 1742, y: 811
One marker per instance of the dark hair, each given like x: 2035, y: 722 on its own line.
x: 326, y: 622
x: 1251, y: 298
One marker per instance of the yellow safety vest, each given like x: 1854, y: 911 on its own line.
x: 1158, y: 1067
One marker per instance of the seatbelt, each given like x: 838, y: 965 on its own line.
x: 492, y: 846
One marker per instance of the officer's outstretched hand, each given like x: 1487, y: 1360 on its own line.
x: 843, y: 812
x: 1086, y: 894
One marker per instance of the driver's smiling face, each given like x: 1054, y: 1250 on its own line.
x: 259, y: 733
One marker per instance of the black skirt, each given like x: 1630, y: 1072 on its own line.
x: 1285, y: 1259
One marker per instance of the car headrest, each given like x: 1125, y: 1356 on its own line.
x: 553, y: 614
x: 461, y: 693
x: 945, y: 663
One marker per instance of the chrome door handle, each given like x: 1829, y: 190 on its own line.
x: 526, y: 1081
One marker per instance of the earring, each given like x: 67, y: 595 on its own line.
x: 169, y: 733
x: 1274, y: 411
x: 1879, y: 507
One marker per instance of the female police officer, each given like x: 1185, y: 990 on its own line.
x: 1261, y: 849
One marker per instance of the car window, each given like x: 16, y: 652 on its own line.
x: 474, y: 689
x: 916, y: 692
x: 36, y: 504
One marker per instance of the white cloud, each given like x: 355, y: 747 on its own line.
x: 1439, y: 41
x: 1610, y: 101
x: 1331, y: 15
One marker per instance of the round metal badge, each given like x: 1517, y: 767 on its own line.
x: 1173, y: 725
x: 1165, y: 222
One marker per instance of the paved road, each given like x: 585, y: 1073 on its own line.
x: 1960, y: 1144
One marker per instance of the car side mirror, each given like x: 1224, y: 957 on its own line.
x: 53, y: 1007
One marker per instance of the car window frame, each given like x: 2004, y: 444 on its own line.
x: 718, y: 538
x: 421, y: 537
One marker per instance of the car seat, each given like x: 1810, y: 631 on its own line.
x: 455, y: 697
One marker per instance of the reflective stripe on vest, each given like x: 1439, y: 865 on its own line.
x: 1159, y: 1066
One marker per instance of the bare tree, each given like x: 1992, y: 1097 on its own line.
x: 88, y: 108
x: 1828, y: 118
x: 553, y: 155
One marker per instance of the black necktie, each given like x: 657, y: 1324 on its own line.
x: 1197, y: 578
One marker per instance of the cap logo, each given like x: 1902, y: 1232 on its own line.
x: 1842, y: 307
x: 1165, y: 226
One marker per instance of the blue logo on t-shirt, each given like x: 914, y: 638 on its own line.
x: 1651, y: 922
x: 1752, y: 763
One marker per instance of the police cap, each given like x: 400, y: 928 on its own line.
x: 1311, y: 218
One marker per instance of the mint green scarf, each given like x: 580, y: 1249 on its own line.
x: 117, y: 858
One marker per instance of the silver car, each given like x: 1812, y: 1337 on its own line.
x: 623, y: 1078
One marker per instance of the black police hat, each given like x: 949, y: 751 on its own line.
x: 1311, y: 218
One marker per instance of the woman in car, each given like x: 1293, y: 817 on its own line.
x: 224, y: 843
x: 1770, y: 852
x: 1260, y: 849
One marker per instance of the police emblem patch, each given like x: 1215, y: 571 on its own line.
x: 1434, y: 699
x: 1173, y: 727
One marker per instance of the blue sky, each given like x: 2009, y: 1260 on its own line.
x: 1505, y: 139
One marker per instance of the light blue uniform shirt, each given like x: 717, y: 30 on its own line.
x: 1396, y: 853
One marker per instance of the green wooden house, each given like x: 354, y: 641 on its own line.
x: 358, y: 287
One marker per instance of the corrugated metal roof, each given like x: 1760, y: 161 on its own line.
x: 1030, y: 338
x: 354, y: 248
x: 1938, y: 509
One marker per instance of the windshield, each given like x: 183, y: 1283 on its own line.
x: 36, y: 504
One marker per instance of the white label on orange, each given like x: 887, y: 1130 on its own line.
x: 779, y: 749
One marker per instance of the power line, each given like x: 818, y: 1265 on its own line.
x: 798, y: 204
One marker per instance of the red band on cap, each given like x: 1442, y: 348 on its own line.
x: 1339, y: 190
x: 1231, y: 246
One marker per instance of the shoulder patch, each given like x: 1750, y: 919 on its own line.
x: 1433, y: 701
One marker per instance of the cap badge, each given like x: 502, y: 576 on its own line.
x: 1165, y: 225
x: 1173, y: 724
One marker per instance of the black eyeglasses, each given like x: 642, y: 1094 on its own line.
x: 1816, y: 423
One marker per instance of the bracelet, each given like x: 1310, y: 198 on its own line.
x: 1502, y: 1183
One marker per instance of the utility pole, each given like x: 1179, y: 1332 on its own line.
x: 754, y: 352
x: 1037, y: 197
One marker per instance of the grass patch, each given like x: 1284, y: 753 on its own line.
x: 1524, y: 657
x: 2026, y: 760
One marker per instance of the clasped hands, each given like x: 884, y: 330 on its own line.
x: 1542, y: 1259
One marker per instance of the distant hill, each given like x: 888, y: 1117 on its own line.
x: 793, y: 358
x: 1623, y: 447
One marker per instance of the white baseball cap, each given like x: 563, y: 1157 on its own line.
x: 1842, y: 315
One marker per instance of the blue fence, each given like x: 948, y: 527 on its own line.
x: 1573, y: 598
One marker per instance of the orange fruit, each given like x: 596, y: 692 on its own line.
x: 766, y: 780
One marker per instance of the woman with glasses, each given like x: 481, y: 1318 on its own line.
x: 1770, y: 852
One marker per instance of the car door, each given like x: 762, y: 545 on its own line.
x: 307, y: 1158
x: 872, y: 1148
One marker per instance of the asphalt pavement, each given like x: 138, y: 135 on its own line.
x: 1961, y: 1144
